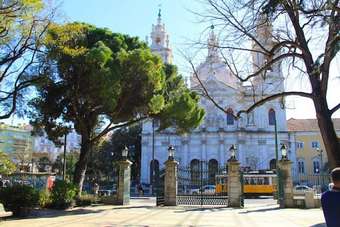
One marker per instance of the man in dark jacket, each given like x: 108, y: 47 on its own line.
x: 330, y: 201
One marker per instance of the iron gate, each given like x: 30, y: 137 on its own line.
x: 159, y: 186
x: 197, y: 184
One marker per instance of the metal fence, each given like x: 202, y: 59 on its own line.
x: 317, y: 181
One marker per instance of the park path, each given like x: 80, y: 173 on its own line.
x: 143, y: 213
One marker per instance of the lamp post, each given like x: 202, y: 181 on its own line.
x: 64, y: 163
x: 153, y: 158
x: 125, y: 152
x: 233, y: 150
x: 283, y: 152
x: 171, y: 153
x: 320, y: 151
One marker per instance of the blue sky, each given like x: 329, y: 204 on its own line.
x: 135, y: 17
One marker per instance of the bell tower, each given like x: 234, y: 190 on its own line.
x: 160, y: 40
x: 271, y: 79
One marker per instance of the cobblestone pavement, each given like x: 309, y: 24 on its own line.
x: 143, y: 213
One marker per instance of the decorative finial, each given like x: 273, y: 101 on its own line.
x: 159, y: 14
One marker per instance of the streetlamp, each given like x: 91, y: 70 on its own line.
x: 233, y: 150
x: 320, y: 151
x: 125, y: 152
x: 320, y: 172
x: 171, y: 153
x: 284, y: 152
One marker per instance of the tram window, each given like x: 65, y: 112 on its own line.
x: 266, y: 180
x: 246, y: 180
x: 252, y: 181
x: 260, y: 181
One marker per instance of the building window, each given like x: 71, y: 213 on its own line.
x: 250, y: 118
x: 301, y: 166
x: 316, y: 166
x: 299, y: 145
x: 271, y: 117
x: 230, y: 117
x: 315, y: 144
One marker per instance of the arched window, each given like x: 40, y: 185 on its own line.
x: 272, y: 164
x: 301, y: 166
x: 154, y: 171
x: 230, y: 117
x: 316, y: 166
x: 271, y: 117
x: 195, y: 171
x: 212, y: 170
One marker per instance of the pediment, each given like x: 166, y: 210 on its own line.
x: 216, y: 86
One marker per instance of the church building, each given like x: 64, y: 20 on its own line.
x: 253, y: 134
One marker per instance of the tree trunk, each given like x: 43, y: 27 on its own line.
x: 327, y: 131
x: 81, y: 165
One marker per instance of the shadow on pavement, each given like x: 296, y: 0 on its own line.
x: 260, y: 210
x: 49, y: 213
x: 133, y: 207
x: 319, y: 225
x: 193, y: 209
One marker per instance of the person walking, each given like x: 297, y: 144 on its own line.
x: 330, y: 201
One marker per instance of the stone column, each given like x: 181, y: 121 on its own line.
x: 123, y: 192
x: 285, y: 167
x: 170, y: 183
x: 234, y: 184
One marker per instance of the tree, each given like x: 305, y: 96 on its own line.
x: 22, y: 26
x: 109, y: 152
x: 71, y: 160
x: 98, y: 81
x: 303, y: 36
x: 6, y: 165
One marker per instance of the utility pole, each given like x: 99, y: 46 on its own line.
x: 64, y: 163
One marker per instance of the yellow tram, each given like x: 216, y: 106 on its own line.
x: 254, y: 183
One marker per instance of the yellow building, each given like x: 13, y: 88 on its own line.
x: 306, y: 140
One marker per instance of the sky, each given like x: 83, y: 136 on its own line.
x: 135, y: 17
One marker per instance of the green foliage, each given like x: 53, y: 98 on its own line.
x: 71, y: 160
x: 22, y: 25
x: 6, y: 165
x: 63, y: 194
x: 86, y: 200
x: 44, y: 199
x: 104, y: 157
x: 93, y: 75
x: 19, y: 198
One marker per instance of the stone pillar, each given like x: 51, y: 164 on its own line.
x: 285, y: 167
x: 170, y: 183
x: 123, y: 192
x: 234, y: 184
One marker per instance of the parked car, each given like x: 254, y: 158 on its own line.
x: 301, y: 189
x: 206, y: 189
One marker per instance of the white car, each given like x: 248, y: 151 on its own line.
x: 206, y: 189
x: 301, y: 189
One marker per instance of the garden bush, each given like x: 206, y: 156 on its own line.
x: 45, y: 199
x: 63, y: 194
x: 86, y: 200
x: 19, y: 199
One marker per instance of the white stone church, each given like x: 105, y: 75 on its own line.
x: 252, y: 134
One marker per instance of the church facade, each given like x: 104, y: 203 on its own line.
x: 253, y: 134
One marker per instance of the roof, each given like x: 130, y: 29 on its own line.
x: 305, y: 125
